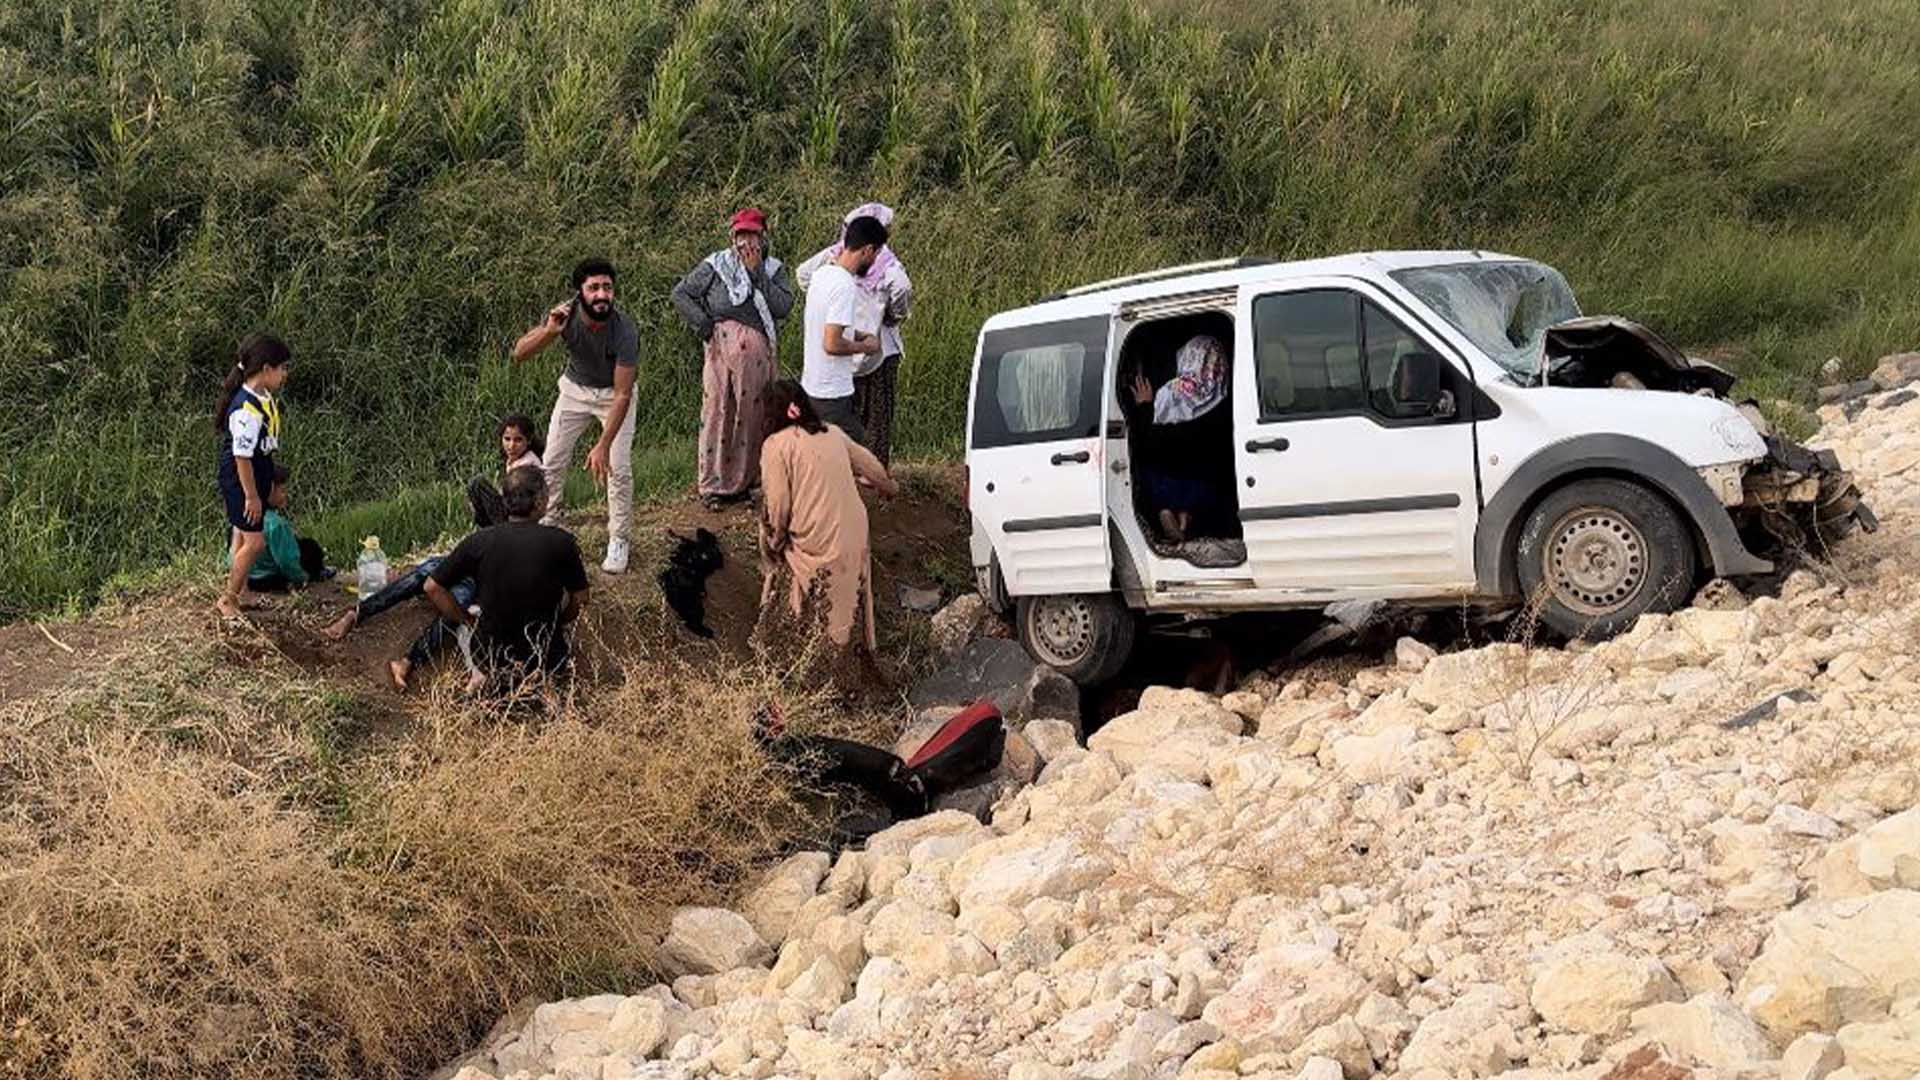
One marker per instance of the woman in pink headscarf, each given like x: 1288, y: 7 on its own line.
x: 886, y: 296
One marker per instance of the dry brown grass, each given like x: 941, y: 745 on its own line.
x: 216, y: 869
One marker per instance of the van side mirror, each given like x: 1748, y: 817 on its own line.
x: 1416, y: 385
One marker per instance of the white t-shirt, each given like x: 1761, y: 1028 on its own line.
x: 831, y: 301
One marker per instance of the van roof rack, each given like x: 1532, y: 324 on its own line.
x: 1160, y: 275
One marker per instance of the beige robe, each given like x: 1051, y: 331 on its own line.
x: 815, y: 521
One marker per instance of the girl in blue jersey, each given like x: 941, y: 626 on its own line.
x: 248, y: 420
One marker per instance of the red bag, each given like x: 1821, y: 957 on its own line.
x: 965, y: 747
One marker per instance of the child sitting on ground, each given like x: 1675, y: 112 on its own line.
x: 289, y: 561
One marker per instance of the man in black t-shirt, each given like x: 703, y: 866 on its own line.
x: 528, y: 582
x: 603, y: 347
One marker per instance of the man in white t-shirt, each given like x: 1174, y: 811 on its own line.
x: 833, y: 347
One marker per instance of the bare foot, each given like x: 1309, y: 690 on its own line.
x: 476, y: 682
x: 1170, y: 524
x: 338, y: 629
x: 226, y: 608
x: 397, y: 672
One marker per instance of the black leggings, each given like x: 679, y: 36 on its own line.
x: 489, y: 507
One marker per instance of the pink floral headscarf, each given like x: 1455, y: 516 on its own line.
x: 876, y: 274
x: 1199, y: 385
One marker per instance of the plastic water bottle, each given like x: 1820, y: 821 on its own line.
x: 373, y: 566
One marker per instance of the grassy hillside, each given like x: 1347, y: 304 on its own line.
x: 399, y: 187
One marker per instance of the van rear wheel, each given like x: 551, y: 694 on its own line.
x: 1597, y: 554
x: 1085, y: 636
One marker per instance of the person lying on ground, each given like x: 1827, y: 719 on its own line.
x: 603, y: 350
x: 814, y: 523
x: 529, y: 584
x: 1179, y: 433
x: 520, y: 447
x: 834, y: 344
x: 248, y: 420
x: 734, y: 300
x: 886, y: 295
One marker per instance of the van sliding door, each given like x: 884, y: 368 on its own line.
x: 1037, y: 457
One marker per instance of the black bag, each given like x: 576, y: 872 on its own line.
x: 684, y: 580
x: 965, y: 747
x: 829, y: 762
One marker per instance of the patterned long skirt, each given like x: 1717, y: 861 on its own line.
x: 873, y: 404
x: 738, y: 368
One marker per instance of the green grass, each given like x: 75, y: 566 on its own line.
x: 398, y: 189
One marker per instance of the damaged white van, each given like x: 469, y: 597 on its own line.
x: 1438, y: 427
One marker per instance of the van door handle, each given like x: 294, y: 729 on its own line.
x: 1255, y: 446
x: 1080, y: 458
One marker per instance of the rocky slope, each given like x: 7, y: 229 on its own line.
x: 1691, y: 850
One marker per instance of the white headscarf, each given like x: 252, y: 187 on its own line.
x: 728, y: 267
x: 1199, y: 385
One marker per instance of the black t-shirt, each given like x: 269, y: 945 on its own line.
x: 593, y: 354
x: 522, y: 572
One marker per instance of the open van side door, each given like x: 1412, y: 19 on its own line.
x: 1036, y: 454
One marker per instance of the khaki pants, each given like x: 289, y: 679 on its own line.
x: 575, y: 407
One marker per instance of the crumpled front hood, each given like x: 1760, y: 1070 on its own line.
x: 1609, y: 351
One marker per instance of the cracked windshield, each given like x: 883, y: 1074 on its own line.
x: 1505, y: 307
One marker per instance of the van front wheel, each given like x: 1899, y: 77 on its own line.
x: 1086, y: 637
x: 1597, y: 554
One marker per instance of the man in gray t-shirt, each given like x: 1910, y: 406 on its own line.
x: 602, y: 349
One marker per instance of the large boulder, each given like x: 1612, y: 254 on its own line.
x: 1897, y: 370
x: 1592, y: 988
x: 959, y: 623
x: 1394, y: 753
x: 1283, y: 995
x: 1015, y: 870
x: 771, y: 907
x: 1471, y: 680
x: 994, y: 669
x: 1176, y: 731
x: 1885, y: 856
x: 707, y: 941
x: 1710, y: 1029
x: 1471, y: 1037
x: 1830, y: 963
x: 1812, y: 1057
x: 1889, y: 1050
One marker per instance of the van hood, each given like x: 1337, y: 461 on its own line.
x: 1609, y: 351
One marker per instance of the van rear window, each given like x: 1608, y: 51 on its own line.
x: 1040, y: 383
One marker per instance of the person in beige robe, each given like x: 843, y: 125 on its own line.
x: 814, y: 522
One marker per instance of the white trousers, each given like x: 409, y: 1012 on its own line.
x: 573, y: 410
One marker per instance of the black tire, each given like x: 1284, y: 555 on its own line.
x: 1087, y: 637
x: 1595, y: 555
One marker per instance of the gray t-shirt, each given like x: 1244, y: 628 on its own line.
x: 592, y: 354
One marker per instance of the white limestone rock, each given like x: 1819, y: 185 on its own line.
x: 1594, y: 988
x: 707, y: 941
x: 1830, y: 963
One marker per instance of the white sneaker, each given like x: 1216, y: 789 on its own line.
x: 617, y: 551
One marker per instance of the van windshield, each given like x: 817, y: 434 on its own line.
x: 1503, y: 307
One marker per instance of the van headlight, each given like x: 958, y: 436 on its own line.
x: 1739, y: 436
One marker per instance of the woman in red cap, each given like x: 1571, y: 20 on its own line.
x: 734, y: 300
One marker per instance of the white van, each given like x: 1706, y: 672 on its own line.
x: 1435, y: 427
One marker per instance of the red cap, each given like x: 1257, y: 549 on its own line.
x: 750, y: 220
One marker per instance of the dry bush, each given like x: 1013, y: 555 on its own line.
x: 172, y: 909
